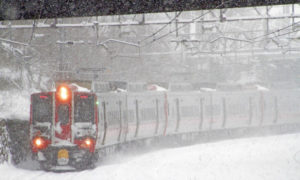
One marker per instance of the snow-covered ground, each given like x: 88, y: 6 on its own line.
x: 265, y: 158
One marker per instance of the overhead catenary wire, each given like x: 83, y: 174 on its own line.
x: 193, y: 20
x: 269, y: 38
x: 163, y: 27
x: 253, y: 40
x: 278, y: 30
x: 273, y: 32
x: 291, y: 32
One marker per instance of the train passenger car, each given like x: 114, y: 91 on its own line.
x: 66, y: 133
x: 63, y: 128
x: 127, y: 117
x: 146, y: 114
x: 112, y: 119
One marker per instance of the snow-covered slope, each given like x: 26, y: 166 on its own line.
x: 268, y: 158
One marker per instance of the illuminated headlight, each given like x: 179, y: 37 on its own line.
x: 39, y: 143
x: 87, y: 143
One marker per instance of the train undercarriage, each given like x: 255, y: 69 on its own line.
x: 65, y: 158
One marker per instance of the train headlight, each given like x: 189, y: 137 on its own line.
x: 87, y: 143
x: 63, y: 93
x: 39, y: 143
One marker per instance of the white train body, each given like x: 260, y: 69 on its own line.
x: 130, y: 116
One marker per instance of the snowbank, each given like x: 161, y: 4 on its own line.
x: 269, y: 158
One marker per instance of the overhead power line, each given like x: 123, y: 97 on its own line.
x: 163, y: 27
x: 276, y: 31
x: 193, y: 20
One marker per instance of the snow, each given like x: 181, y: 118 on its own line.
x: 268, y: 158
x: 79, y: 88
x: 155, y: 87
x: 119, y: 90
x: 75, y: 87
x: 7, y: 73
x: 36, y: 35
x: 261, y: 88
x: 10, y: 48
x: 41, y: 156
x: 14, y: 104
x: 58, y: 128
x: 208, y: 89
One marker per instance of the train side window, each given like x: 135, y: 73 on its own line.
x: 63, y: 114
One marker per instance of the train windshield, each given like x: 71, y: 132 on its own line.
x: 84, y: 108
x: 42, y: 108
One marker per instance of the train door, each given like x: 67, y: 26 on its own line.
x: 146, y: 115
x: 112, y: 115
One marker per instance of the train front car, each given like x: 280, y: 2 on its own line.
x: 63, y: 129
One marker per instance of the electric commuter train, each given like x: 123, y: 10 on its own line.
x: 64, y: 128
x: 69, y: 128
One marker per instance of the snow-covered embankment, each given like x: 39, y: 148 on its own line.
x: 265, y: 158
